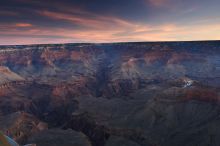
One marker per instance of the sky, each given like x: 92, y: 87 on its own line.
x: 98, y: 21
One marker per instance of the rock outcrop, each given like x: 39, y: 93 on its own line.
x: 58, y: 137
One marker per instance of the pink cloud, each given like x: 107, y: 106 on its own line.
x: 113, y: 30
x: 93, y: 21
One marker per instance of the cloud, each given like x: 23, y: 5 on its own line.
x: 23, y: 25
x: 8, y: 13
x: 88, y: 20
x: 163, y: 32
x: 158, y: 3
x: 85, y: 26
x: 11, y: 27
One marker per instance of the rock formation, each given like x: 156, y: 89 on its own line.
x: 133, y: 94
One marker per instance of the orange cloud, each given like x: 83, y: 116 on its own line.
x: 23, y: 25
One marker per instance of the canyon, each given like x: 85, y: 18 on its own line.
x: 111, y: 94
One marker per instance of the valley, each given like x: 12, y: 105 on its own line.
x: 116, y: 94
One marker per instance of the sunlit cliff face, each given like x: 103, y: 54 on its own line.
x: 27, y: 22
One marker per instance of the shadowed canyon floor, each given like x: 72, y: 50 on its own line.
x: 120, y: 94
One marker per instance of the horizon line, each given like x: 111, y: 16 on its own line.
x: 119, y: 42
